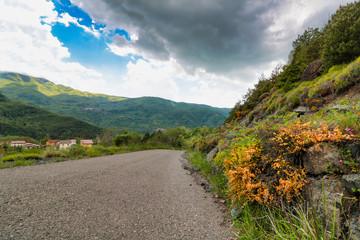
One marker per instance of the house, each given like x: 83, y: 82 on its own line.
x: 86, y: 143
x: 17, y: 143
x: 52, y: 143
x: 160, y: 130
x: 31, y: 146
x: 64, y: 144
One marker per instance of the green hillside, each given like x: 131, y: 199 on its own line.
x: 144, y: 114
x: 19, y: 119
x: 292, y: 138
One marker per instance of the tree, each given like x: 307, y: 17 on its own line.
x: 342, y: 36
x: 122, y: 139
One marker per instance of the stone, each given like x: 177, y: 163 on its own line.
x: 355, y: 225
x: 333, y: 189
x: 355, y: 150
x: 301, y: 110
x: 235, y: 213
x: 210, y: 158
x: 312, y: 71
x: 351, y: 183
x: 322, y: 158
x: 340, y: 108
x: 211, y: 155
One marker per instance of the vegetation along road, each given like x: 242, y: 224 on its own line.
x: 142, y: 195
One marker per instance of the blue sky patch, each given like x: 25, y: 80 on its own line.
x: 85, y: 47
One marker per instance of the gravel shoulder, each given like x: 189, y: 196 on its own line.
x: 141, y: 195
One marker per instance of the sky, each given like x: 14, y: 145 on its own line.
x: 204, y: 51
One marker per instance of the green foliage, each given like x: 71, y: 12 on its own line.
x: 291, y: 75
x: 306, y: 49
x: 32, y: 156
x: 199, y: 160
x: 122, y: 139
x: 23, y: 120
x: 173, y: 137
x: 297, y: 222
x: 52, y: 153
x: 11, y: 157
x: 21, y: 156
x: 76, y: 151
x: 255, y: 95
x: 218, y: 180
x: 342, y: 36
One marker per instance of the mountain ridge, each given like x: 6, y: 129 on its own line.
x: 17, y: 118
x: 144, y: 114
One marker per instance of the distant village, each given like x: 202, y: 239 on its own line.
x: 61, y: 144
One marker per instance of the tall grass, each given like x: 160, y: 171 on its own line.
x: 297, y: 222
x: 217, y: 179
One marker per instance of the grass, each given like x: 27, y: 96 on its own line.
x: 26, y: 157
x: 217, y: 180
x: 296, y: 222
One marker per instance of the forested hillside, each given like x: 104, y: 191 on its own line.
x: 144, y: 114
x: 315, y: 53
x: 19, y: 119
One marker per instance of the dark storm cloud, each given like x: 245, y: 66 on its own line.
x: 217, y: 35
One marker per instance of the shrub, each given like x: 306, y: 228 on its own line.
x: 31, y: 156
x: 52, y: 153
x: 265, y: 168
x: 76, y: 151
x: 93, y: 152
x: 342, y: 36
x: 11, y: 157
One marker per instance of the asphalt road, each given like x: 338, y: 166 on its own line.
x: 141, y: 195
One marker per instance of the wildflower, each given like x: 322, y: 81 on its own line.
x: 340, y: 161
x: 349, y: 130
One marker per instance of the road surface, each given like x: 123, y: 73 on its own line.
x: 141, y: 195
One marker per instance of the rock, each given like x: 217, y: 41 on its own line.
x: 301, y: 110
x: 340, y: 108
x: 351, y: 183
x: 355, y: 150
x: 322, y: 158
x: 312, y: 71
x: 355, y: 225
x: 334, y: 191
x: 235, y: 213
x: 210, y: 156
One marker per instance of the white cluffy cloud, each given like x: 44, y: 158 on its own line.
x: 27, y: 45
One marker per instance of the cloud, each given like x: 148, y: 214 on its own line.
x: 232, y: 41
x: 66, y: 19
x: 27, y: 45
x: 199, y: 51
x: 219, y: 36
x: 150, y: 79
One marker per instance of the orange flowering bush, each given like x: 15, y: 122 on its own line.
x: 268, y: 170
x: 241, y: 114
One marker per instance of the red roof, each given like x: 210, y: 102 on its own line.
x: 52, y: 141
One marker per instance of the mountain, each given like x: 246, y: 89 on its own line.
x: 19, y: 119
x: 144, y: 114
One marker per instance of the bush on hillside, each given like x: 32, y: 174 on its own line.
x: 342, y: 36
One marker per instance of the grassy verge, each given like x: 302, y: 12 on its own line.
x: 27, y: 157
x: 218, y: 180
